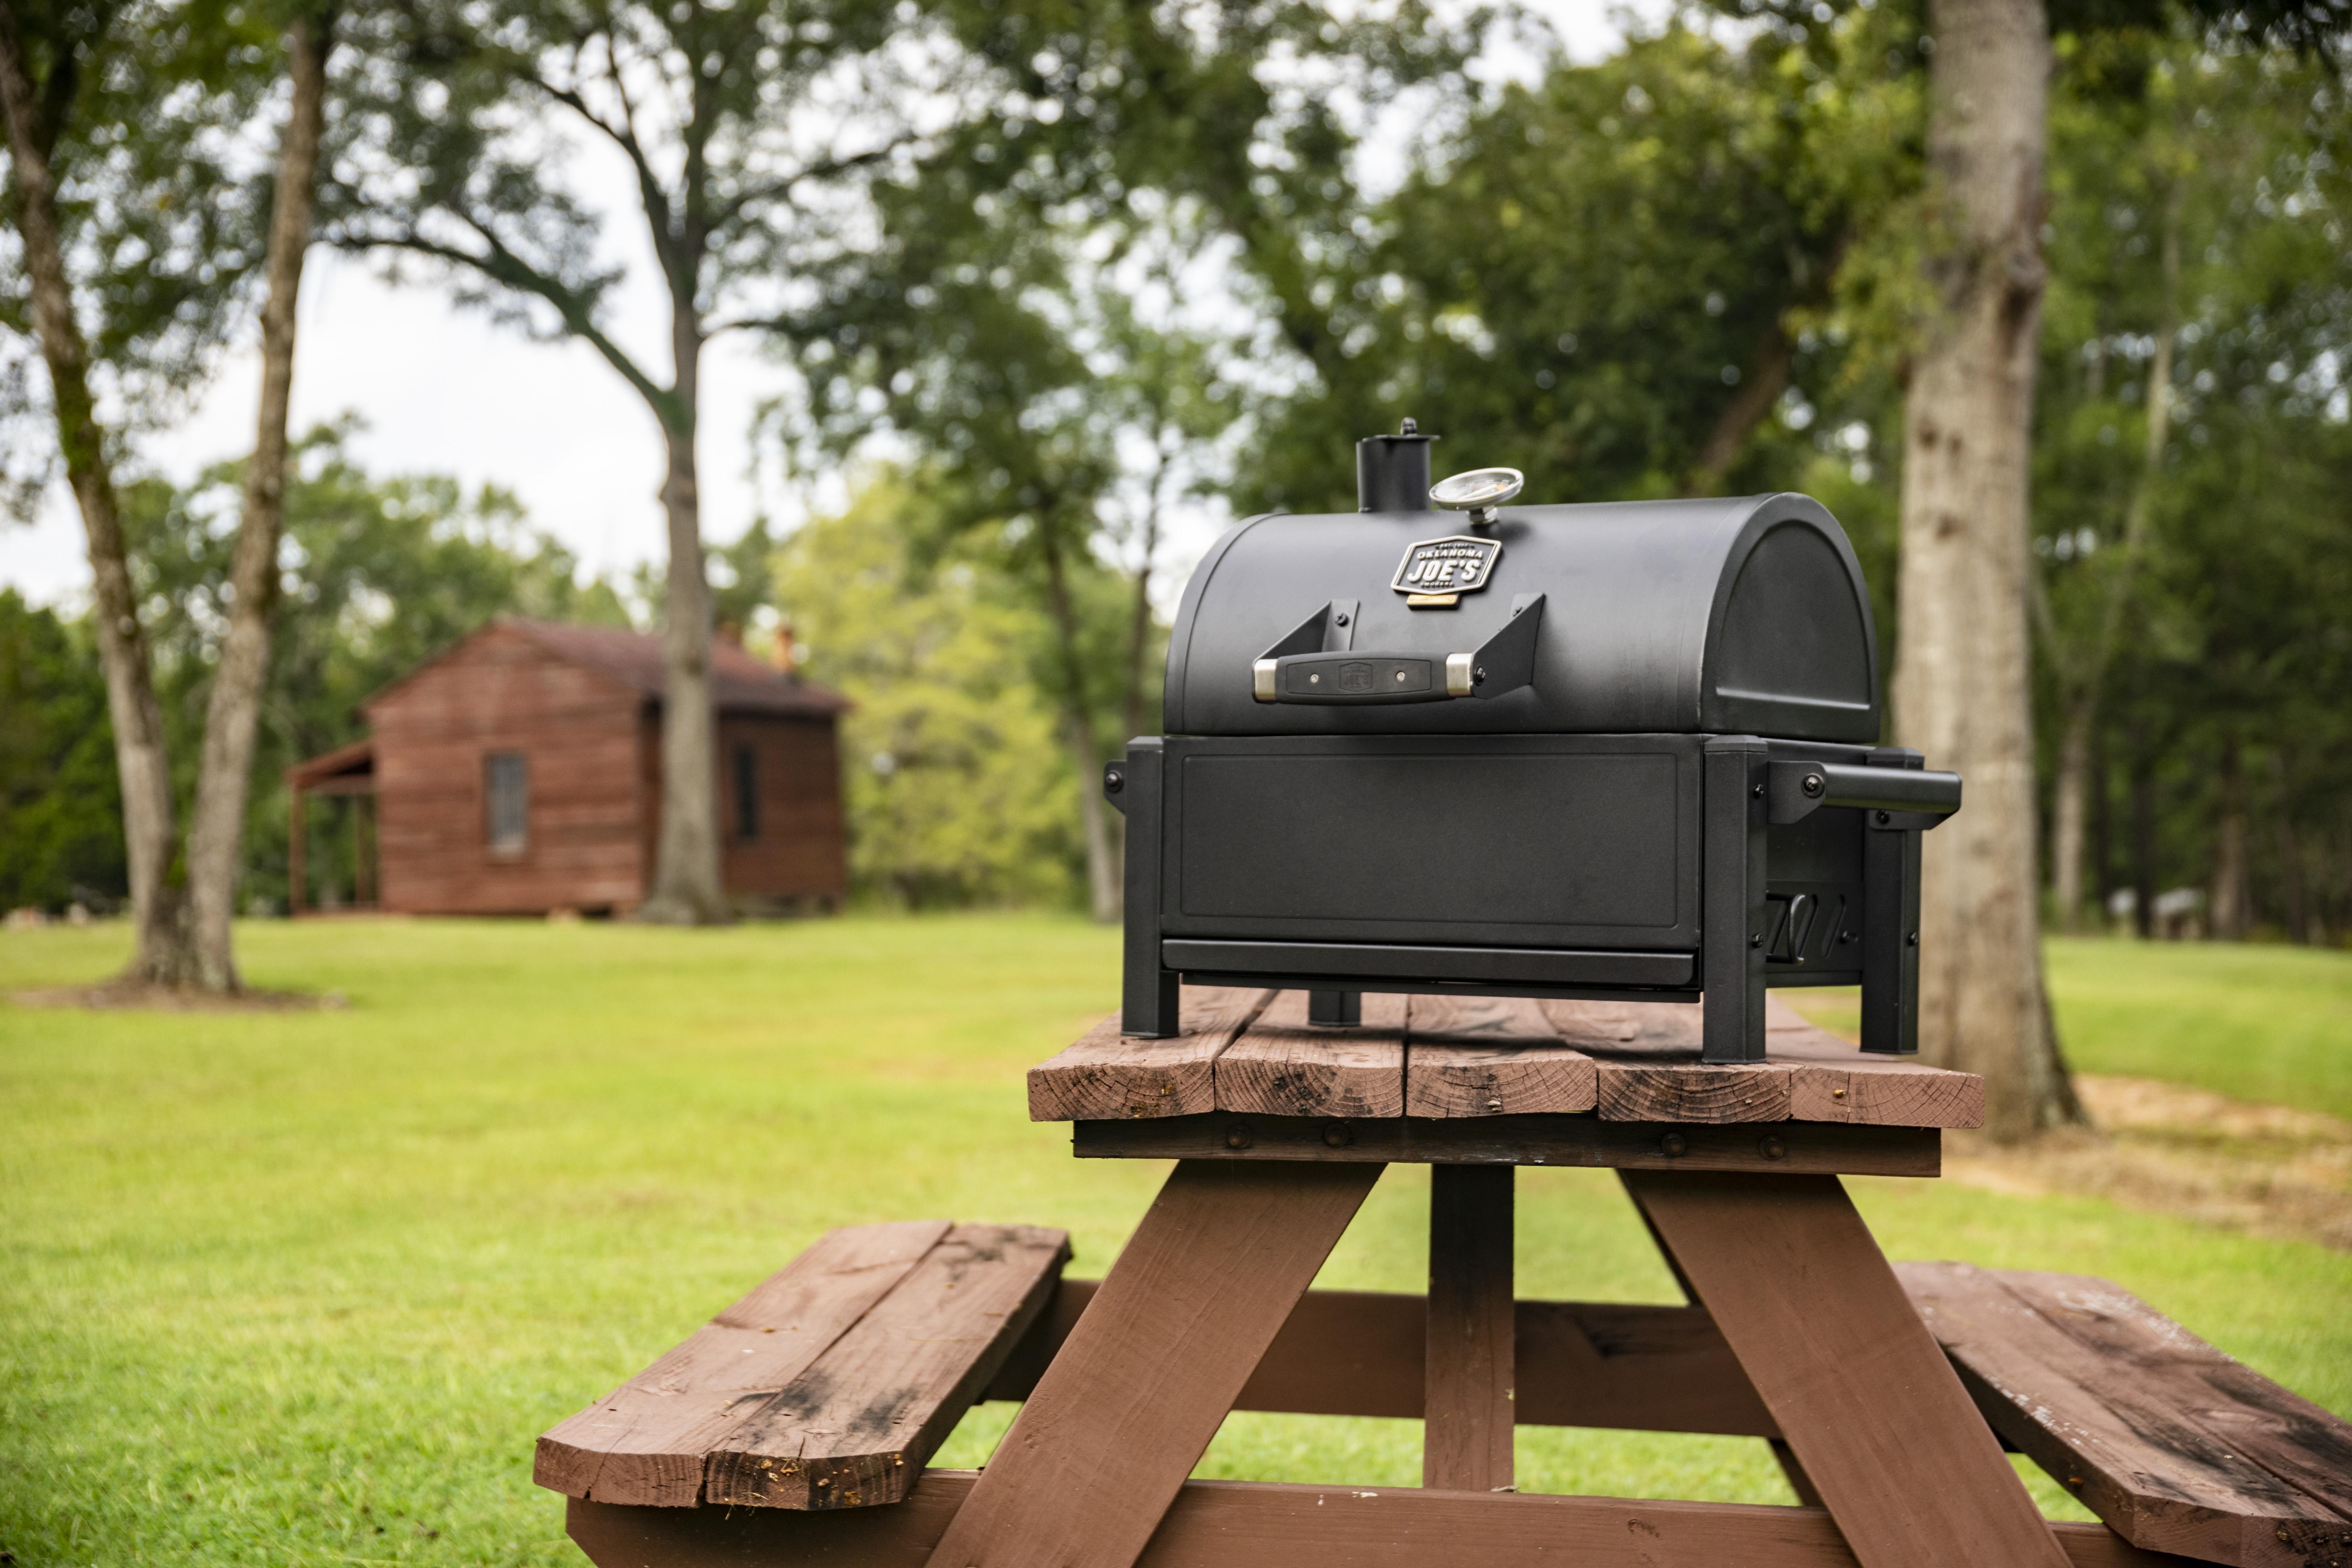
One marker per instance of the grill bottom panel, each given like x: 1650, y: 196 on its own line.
x: 1381, y: 962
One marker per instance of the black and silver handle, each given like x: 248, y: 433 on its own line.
x: 1503, y: 663
x: 1799, y: 789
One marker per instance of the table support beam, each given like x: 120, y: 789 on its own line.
x: 1876, y: 1415
x: 1123, y: 1414
x: 1246, y: 1524
x: 1470, y: 1370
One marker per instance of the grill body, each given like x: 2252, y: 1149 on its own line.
x: 1636, y: 758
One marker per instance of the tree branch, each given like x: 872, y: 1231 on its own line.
x: 503, y: 267
x: 832, y: 168
x: 655, y: 200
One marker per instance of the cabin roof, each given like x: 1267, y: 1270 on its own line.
x: 738, y: 682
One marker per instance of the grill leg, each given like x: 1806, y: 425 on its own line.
x: 1733, y: 915
x: 1148, y: 993
x: 1337, y: 1007
x: 1890, y: 930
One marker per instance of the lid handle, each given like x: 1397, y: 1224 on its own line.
x: 1502, y: 664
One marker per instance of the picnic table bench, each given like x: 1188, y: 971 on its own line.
x: 794, y: 1426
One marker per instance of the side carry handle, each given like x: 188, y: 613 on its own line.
x: 1797, y: 790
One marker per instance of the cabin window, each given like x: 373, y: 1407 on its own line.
x: 506, y: 785
x: 747, y: 793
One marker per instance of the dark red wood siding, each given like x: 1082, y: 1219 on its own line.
x: 798, y: 850
x: 578, y: 730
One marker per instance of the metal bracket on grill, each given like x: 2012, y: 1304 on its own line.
x: 1288, y: 672
x: 1799, y: 789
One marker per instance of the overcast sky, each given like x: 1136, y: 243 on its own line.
x: 443, y: 390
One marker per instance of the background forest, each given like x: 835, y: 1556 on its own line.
x: 1688, y: 268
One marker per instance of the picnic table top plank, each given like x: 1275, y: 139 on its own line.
x: 644, y: 1443
x: 1281, y: 1064
x: 1648, y: 1067
x: 1107, y: 1074
x: 2176, y: 1445
x: 1441, y: 1058
x: 1490, y: 1056
x: 855, y: 1428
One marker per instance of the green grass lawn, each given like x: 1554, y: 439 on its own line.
x: 301, y: 1288
x: 2261, y: 1023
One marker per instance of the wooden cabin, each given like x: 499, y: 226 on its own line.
x: 520, y: 772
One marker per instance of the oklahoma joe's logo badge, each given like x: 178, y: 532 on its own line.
x: 1437, y: 569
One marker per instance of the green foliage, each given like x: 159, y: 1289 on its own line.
x: 956, y: 789
x: 300, y: 1288
x: 141, y: 106
x: 1603, y: 278
x: 2235, y: 648
x: 60, y: 802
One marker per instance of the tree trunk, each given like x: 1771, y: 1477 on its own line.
x: 1961, y: 682
x: 687, y: 888
x: 163, y: 953
x: 1139, y: 628
x: 1766, y: 379
x: 1078, y: 732
x: 2068, y: 813
x: 2228, y: 898
x: 216, y: 837
x: 2143, y: 833
x: 2103, y: 836
x: 2292, y: 888
x: 2083, y: 704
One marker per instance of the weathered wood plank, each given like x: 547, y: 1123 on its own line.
x: 1649, y: 1070
x: 1780, y: 1147
x: 1123, y: 1414
x: 1835, y: 1081
x: 2172, y: 1443
x: 644, y: 1443
x: 854, y: 1430
x: 1283, y: 1066
x: 1107, y: 1074
x: 1861, y: 1392
x: 1467, y: 1412
x: 1244, y: 1524
x: 1580, y: 1363
x: 1474, y: 1056
x: 1490, y: 1056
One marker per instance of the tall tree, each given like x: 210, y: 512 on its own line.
x: 752, y: 135
x: 1961, y: 685
x: 240, y: 675
x: 109, y: 110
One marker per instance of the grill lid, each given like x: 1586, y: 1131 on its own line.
x: 1724, y: 616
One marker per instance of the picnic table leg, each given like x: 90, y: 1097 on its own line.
x: 1154, y: 1364
x: 1467, y: 1408
x: 1875, y: 1414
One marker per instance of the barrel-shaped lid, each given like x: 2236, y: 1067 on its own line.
x: 1734, y: 616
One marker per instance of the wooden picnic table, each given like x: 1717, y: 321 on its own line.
x: 822, y: 1395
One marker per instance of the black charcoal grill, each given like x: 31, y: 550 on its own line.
x: 1620, y: 750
